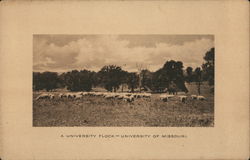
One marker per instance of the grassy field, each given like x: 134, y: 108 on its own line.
x: 97, y: 111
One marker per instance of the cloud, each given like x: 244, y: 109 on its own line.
x: 94, y: 53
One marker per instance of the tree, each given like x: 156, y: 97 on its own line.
x: 208, y: 66
x: 95, y: 79
x: 79, y: 81
x: 37, y: 84
x: 160, y: 81
x: 111, y: 77
x: 189, y: 77
x: 198, y: 78
x: 171, y: 72
x: 139, y: 68
x: 45, y: 80
x: 146, y: 81
x: 132, y: 81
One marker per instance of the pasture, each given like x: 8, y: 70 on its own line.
x: 91, y: 111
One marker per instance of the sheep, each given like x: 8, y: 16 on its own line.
x: 77, y: 96
x: 138, y: 95
x: 134, y: 95
x: 183, y: 98
x: 120, y: 96
x: 147, y: 95
x: 43, y: 96
x: 104, y: 94
x: 70, y: 95
x: 164, y: 97
x: 201, y: 98
x: 128, y: 94
x: 84, y: 93
x: 62, y: 95
x: 193, y: 96
x: 109, y: 96
x: 116, y: 95
x: 170, y: 96
x: 128, y: 98
x: 99, y: 94
x: 91, y: 93
x: 78, y: 93
x: 51, y: 96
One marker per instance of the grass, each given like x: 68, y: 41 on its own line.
x: 97, y: 111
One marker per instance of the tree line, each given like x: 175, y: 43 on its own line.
x: 171, y: 76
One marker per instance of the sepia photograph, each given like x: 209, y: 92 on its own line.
x: 123, y: 80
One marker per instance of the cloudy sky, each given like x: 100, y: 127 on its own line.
x: 62, y: 53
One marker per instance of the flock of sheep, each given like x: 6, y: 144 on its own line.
x: 128, y: 97
x: 183, y: 98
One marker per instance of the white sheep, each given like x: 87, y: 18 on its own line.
x: 128, y: 98
x: 201, y: 98
x: 122, y: 95
x: 109, y: 96
x: 99, y: 94
x: 147, y: 95
x: 183, y: 98
x: 84, y: 93
x: 193, y: 96
x: 43, y: 96
x: 164, y: 97
x: 51, y: 96
x: 78, y: 96
x: 70, y: 95
x: 62, y: 95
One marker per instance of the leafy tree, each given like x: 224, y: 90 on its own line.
x: 62, y: 80
x: 208, y: 66
x: 95, y: 79
x: 172, y: 72
x: 146, y: 81
x: 189, y: 77
x: 79, y: 81
x: 45, y: 80
x: 198, y: 78
x: 37, y: 84
x: 111, y: 77
x: 160, y: 81
x: 132, y: 81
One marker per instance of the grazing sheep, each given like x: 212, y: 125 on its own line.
x: 128, y: 94
x: 62, y: 95
x: 170, y: 96
x: 109, y: 96
x: 183, y: 98
x: 164, y: 97
x: 99, y: 94
x: 128, y: 98
x: 120, y: 96
x: 91, y: 93
x: 139, y: 95
x: 147, y: 95
x: 201, y: 98
x: 43, y: 96
x: 70, y: 95
x: 78, y: 96
x: 51, y: 96
x: 193, y: 96
x: 133, y: 95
